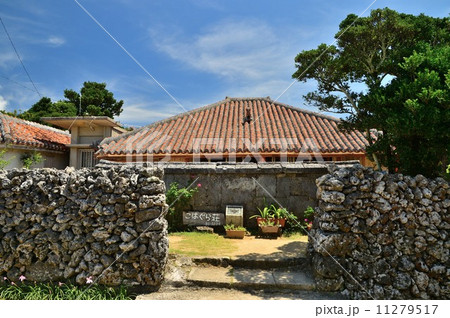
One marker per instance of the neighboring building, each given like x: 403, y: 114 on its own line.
x: 239, y: 129
x: 21, y: 137
x: 86, y: 133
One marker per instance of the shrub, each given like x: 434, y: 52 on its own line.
x: 308, y: 217
x: 178, y: 199
x: 31, y: 158
x: 3, y: 162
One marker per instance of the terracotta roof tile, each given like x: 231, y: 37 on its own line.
x: 219, y: 128
x: 25, y: 133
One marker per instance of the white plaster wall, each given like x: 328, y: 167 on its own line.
x: 52, y: 160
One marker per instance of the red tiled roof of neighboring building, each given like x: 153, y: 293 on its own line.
x: 274, y: 127
x: 21, y: 132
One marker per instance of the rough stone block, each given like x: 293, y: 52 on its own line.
x: 147, y: 214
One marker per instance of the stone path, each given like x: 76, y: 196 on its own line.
x: 259, y: 269
x: 205, y: 293
x: 251, y: 278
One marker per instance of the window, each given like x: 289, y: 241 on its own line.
x: 86, y: 158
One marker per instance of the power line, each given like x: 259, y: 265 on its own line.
x: 18, y: 56
x: 17, y: 83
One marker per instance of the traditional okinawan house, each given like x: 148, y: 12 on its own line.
x: 86, y: 132
x: 239, y: 130
x: 20, y: 138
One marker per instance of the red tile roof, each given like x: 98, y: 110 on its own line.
x: 274, y: 127
x: 25, y: 133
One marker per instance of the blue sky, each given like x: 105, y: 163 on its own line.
x: 199, y: 50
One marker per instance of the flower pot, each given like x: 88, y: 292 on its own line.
x: 271, y: 229
x: 237, y: 234
x: 281, y: 222
x: 260, y: 220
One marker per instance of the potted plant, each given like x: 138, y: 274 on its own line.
x: 269, y: 227
x: 234, y: 231
x: 279, y: 215
x: 286, y: 216
x: 264, y: 215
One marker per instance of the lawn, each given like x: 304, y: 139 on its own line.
x: 213, y: 245
x: 200, y: 244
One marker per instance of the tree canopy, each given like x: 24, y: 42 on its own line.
x: 46, y: 108
x: 389, y: 74
x: 96, y: 100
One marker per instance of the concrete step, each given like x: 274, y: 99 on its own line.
x: 292, y: 278
x: 259, y: 262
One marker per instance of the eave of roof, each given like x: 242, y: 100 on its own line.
x: 68, y: 122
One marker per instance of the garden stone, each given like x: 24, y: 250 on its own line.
x: 333, y: 197
x: 43, y: 272
x: 126, y: 237
x: 100, y: 234
x: 148, y: 214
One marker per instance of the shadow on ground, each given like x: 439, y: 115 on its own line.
x: 295, y: 249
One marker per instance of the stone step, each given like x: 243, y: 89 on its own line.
x: 293, y: 278
x: 260, y: 262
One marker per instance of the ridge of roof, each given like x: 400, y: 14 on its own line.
x: 5, y: 130
x: 209, y: 106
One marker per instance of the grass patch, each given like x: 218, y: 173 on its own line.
x: 48, y: 291
x: 200, y: 244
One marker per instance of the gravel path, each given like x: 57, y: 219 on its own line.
x: 198, y: 293
x: 248, y: 247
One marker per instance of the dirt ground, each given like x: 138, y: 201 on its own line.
x: 202, y: 293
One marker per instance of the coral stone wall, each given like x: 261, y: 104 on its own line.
x: 251, y: 185
x: 389, y: 232
x: 104, y: 224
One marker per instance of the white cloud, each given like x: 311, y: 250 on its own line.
x: 3, y: 103
x: 56, y: 40
x: 7, y: 58
x: 17, y: 94
x: 249, y: 50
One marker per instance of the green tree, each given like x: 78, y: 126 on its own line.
x: 46, y: 108
x: 350, y: 76
x: 95, y: 100
x: 416, y: 109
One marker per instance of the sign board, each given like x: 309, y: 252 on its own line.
x: 235, y: 210
x: 235, y: 215
x: 203, y: 218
